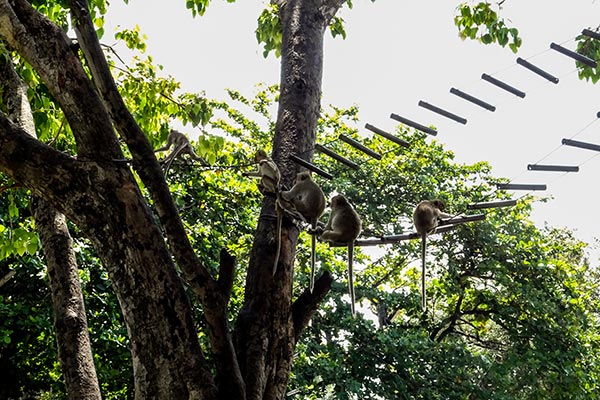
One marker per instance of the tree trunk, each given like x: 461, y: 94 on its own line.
x: 268, y: 324
x: 70, y: 322
x: 99, y: 194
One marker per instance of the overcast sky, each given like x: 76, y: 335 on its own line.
x: 400, y: 52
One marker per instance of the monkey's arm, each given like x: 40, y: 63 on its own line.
x: 165, y: 147
x: 170, y: 140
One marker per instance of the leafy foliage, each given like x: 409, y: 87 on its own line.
x: 513, y: 307
x: 481, y: 22
x: 591, y: 48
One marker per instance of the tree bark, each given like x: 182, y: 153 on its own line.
x: 100, y: 195
x: 70, y: 322
x: 214, y: 295
x: 97, y: 192
x: 268, y: 325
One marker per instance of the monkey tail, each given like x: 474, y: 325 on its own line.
x: 279, y: 212
x: 313, y: 255
x: 351, y: 278
x: 172, y: 157
x: 423, y: 250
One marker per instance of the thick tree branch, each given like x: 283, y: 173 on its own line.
x: 226, y: 273
x: 70, y: 322
x: 47, y: 48
x: 305, y: 305
x: 213, y: 300
x: 449, y: 322
x: 329, y: 8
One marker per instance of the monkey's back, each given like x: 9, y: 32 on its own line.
x: 424, y: 218
x: 348, y: 223
x: 310, y: 201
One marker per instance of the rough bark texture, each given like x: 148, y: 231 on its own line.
x: 70, y: 322
x: 266, y: 331
x: 103, y: 199
x: 213, y: 294
x: 100, y: 195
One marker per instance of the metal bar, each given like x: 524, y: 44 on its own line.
x: 520, y: 186
x: 336, y: 156
x: 312, y: 167
x: 413, y: 124
x: 590, y: 33
x: 503, y: 85
x: 390, y: 239
x: 461, y: 219
x: 581, y: 145
x: 443, y: 112
x: 360, y: 147
x: 576, y: 56
x: 598, y: 114
x: 554, y: 168
x: 388, y: 136
x: 444, y: 226
x: 524, y: 63
x: 473, y: 99
x: 491, y: 204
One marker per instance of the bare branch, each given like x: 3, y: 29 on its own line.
x: 305, y: 305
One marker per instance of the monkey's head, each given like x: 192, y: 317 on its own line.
x: 302, y: 176
x: 338, y: 200
x: 260, y: 155
x: 439, y: 204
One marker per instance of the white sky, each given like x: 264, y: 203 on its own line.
x: 400, y: 52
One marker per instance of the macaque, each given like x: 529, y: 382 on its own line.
x: 269, y: 184
x: 426, y: 216
x: 181, y: 145
x: 269, y: 173
x: 344, y: 226
x: 306, y: 199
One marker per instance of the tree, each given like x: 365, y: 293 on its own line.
x: 99, y: 193
x: 245, y: 347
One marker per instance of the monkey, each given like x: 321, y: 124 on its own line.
x: 306, y: 199
x: 344, y: 225
x: 269, y: 173
x: 270, y: 184
x: 181, y: 145
x: 426, y: 216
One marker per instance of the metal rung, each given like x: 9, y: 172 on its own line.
x: 443, y: 112
x: 391, y: 239
x: 552, y: 168
x: 312, y: 167
x: 520, y: 186
x: 360, y: 147
x: 444, y: 226
x: 536, y: 70
x: 576, y: 56
x: 413, y: 124
x: 503, y: 85
x: 491, y: 204
x: 336, y: 156
x: 581, y: 145
x: 590, y: 33
x: 461, y: 219
x: 473, y: 99
x: 388, y: 136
